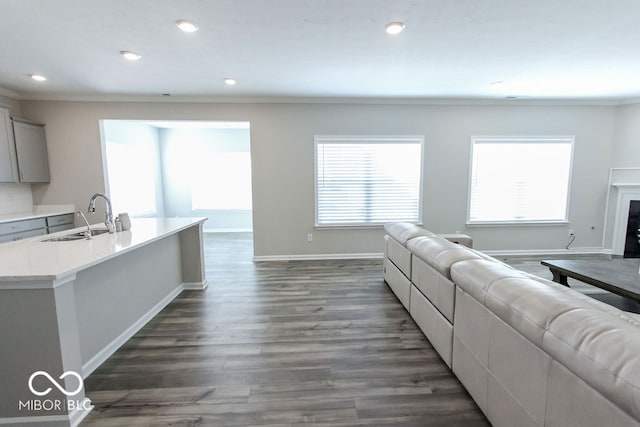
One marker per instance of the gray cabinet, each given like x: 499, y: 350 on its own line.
x: 22, y: 229
x: 8, y: 164
x: 31, y: 151
x: 16, y: 230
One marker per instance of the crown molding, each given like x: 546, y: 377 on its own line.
x: 323, y: 100
x: 9, y: 93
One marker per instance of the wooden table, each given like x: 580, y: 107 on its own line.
x: 619, y: 275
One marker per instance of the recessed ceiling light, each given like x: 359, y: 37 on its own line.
x: 229, y: 81
x: 131, y: 56
x: 186, y: 26
x: 394, y: 27
x: 38, y: 77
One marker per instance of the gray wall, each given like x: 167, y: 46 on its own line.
x: 14, y: 197
x: 282, y: 163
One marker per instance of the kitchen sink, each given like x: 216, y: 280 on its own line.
x: 76, y: 236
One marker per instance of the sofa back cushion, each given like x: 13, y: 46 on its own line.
x: 440, y: 253
x: 401, y: 232
x: 603, y: 350
x: 599, y: 344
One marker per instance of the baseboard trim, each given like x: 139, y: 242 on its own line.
x: 197, y: 286
x: 45, y: 420
x: 72, y: 419
x: 227, y: 230
x: 97, y: 360
x: 494, y: 253
x: 545, y: 252
x: 80, y: 414
x: 318, y: 257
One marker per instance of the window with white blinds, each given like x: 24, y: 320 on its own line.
x: 368, y: 180
x: 520, y: 179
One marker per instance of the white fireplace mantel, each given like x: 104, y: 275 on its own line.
x: 626, y: 192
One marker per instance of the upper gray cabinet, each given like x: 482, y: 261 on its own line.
x: 31, y: 151
x: 8, y: 164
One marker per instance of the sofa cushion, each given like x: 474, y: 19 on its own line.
x: 598, y: 343
x: 440, y: 253
x: 530, y: 306
x: 404, y: 231
x: 438, y: 289
x: 566, y: 392
x: 397, y: 281
x: 632, y: 318
x: 601, y: 349
x: 399, y: 255
x: 527, y: 305
x: 475, y: 275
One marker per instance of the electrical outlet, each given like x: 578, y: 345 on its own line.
x: 309, y: 237
x: 572, y: 232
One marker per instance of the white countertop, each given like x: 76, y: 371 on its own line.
x: 36, y: 260
x: 38, y: 211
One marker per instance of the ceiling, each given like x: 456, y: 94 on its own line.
x: 542, y: 49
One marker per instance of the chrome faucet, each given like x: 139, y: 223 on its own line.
x: 88, y: 232
x: 111, y: 225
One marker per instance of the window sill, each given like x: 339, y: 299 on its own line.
x: 515, y: 223
x: 347, y: 226
x: 355, y: 226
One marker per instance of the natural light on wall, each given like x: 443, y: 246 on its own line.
x: 132, y: 171
x: 520, y: 179
x: 221, y: 181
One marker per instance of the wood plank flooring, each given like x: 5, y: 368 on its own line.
x: 280, y: 344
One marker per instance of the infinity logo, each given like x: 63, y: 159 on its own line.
x: 55, y: 383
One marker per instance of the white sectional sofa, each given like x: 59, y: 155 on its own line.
x: 530, y: 352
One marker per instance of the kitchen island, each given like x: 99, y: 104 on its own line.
x: 66, y: 306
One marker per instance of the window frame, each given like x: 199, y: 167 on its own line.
x: 548, y: 139
x: 365, y: 139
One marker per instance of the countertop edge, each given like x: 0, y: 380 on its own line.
x: 50, y: 281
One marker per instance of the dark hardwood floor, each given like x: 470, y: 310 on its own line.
x: 280, y: 344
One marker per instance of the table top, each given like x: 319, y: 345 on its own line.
x: 617, y: 275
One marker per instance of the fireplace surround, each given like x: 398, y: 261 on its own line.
x: 632, y: 236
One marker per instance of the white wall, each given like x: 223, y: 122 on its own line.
x: 138, y: 133
x: 626, y: 149
x: 626, y: 154
x: 282, y: 163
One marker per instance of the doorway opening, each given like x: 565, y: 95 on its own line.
x: 180, y: 168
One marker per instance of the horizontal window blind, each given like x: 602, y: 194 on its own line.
x: 367, y: 180
x: 522, y: 179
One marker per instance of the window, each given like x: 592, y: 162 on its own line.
x: 520, y: 179
x: 132, y: 173
x: 221, y: 181
x: 362, y: 181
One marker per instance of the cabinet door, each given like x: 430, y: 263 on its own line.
x: 8, y: 165
x: 31, y: 150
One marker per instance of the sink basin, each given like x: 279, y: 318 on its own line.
x: 76, y: 236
